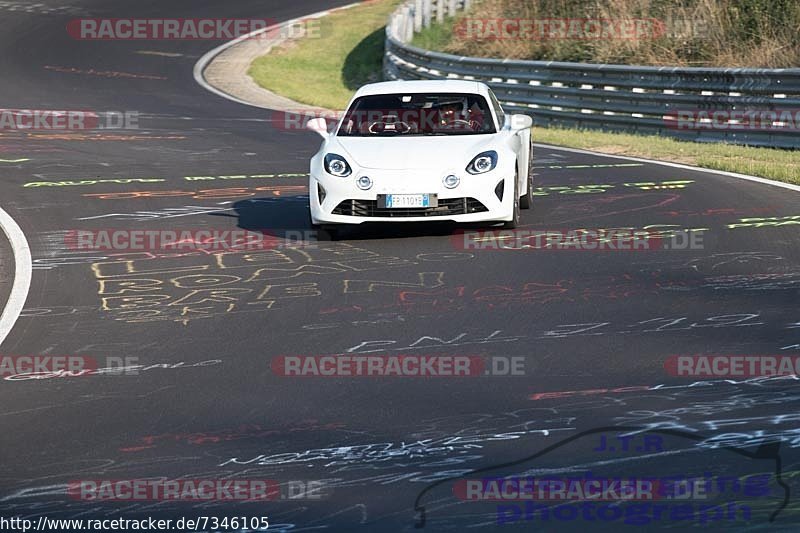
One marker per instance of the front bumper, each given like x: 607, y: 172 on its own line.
x: 482, y: 198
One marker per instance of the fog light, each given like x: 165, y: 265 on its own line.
x: 451, y: 181
x: 364, y: 183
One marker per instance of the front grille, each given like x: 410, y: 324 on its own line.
x: 447, y: 207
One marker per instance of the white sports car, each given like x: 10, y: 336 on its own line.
x: 411, y: 151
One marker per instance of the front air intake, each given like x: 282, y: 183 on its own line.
x: 446, y: 207
x: 498, y: 191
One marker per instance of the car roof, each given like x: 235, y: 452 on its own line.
x: 423, y: 86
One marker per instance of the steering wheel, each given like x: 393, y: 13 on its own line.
x: 382, y: 125
x: 461, y: 122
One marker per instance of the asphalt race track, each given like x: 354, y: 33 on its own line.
x: 200, y: 331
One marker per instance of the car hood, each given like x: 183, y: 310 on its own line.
x: 424, y: 152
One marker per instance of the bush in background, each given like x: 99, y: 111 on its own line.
x: 718, y: 33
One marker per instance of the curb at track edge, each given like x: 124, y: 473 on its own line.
x: 23, y: 270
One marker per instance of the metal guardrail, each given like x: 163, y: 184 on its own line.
x: 634, y: 99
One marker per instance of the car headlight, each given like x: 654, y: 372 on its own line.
x: 337, y: 166
x: 483, y: 162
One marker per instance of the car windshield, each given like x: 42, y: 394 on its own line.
x: 389, y: 115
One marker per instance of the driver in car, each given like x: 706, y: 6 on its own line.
x: 449, y: 112
x: 455, y: 115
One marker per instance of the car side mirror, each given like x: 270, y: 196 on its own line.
x: 320, y: 125
x: 519, y: 122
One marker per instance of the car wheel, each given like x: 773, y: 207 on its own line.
x: 329, y: 233
x: 526, y: 202
x: 324, y: 232
x: 334, y: 232
x: 514, y: 222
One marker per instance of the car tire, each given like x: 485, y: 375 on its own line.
x: 526, y: 202
x: 329, y: 233
x: 324, y: 232
x: 514, y: 222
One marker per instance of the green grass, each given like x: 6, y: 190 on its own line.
x: 435, y: 36
x: 780, y: 165
x: 326, y: 72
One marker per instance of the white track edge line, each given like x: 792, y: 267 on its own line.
x: 23, y: 269
x: 756, y: 179
x: 209, y: 56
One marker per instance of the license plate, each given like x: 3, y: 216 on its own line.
x: 409, y: 200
